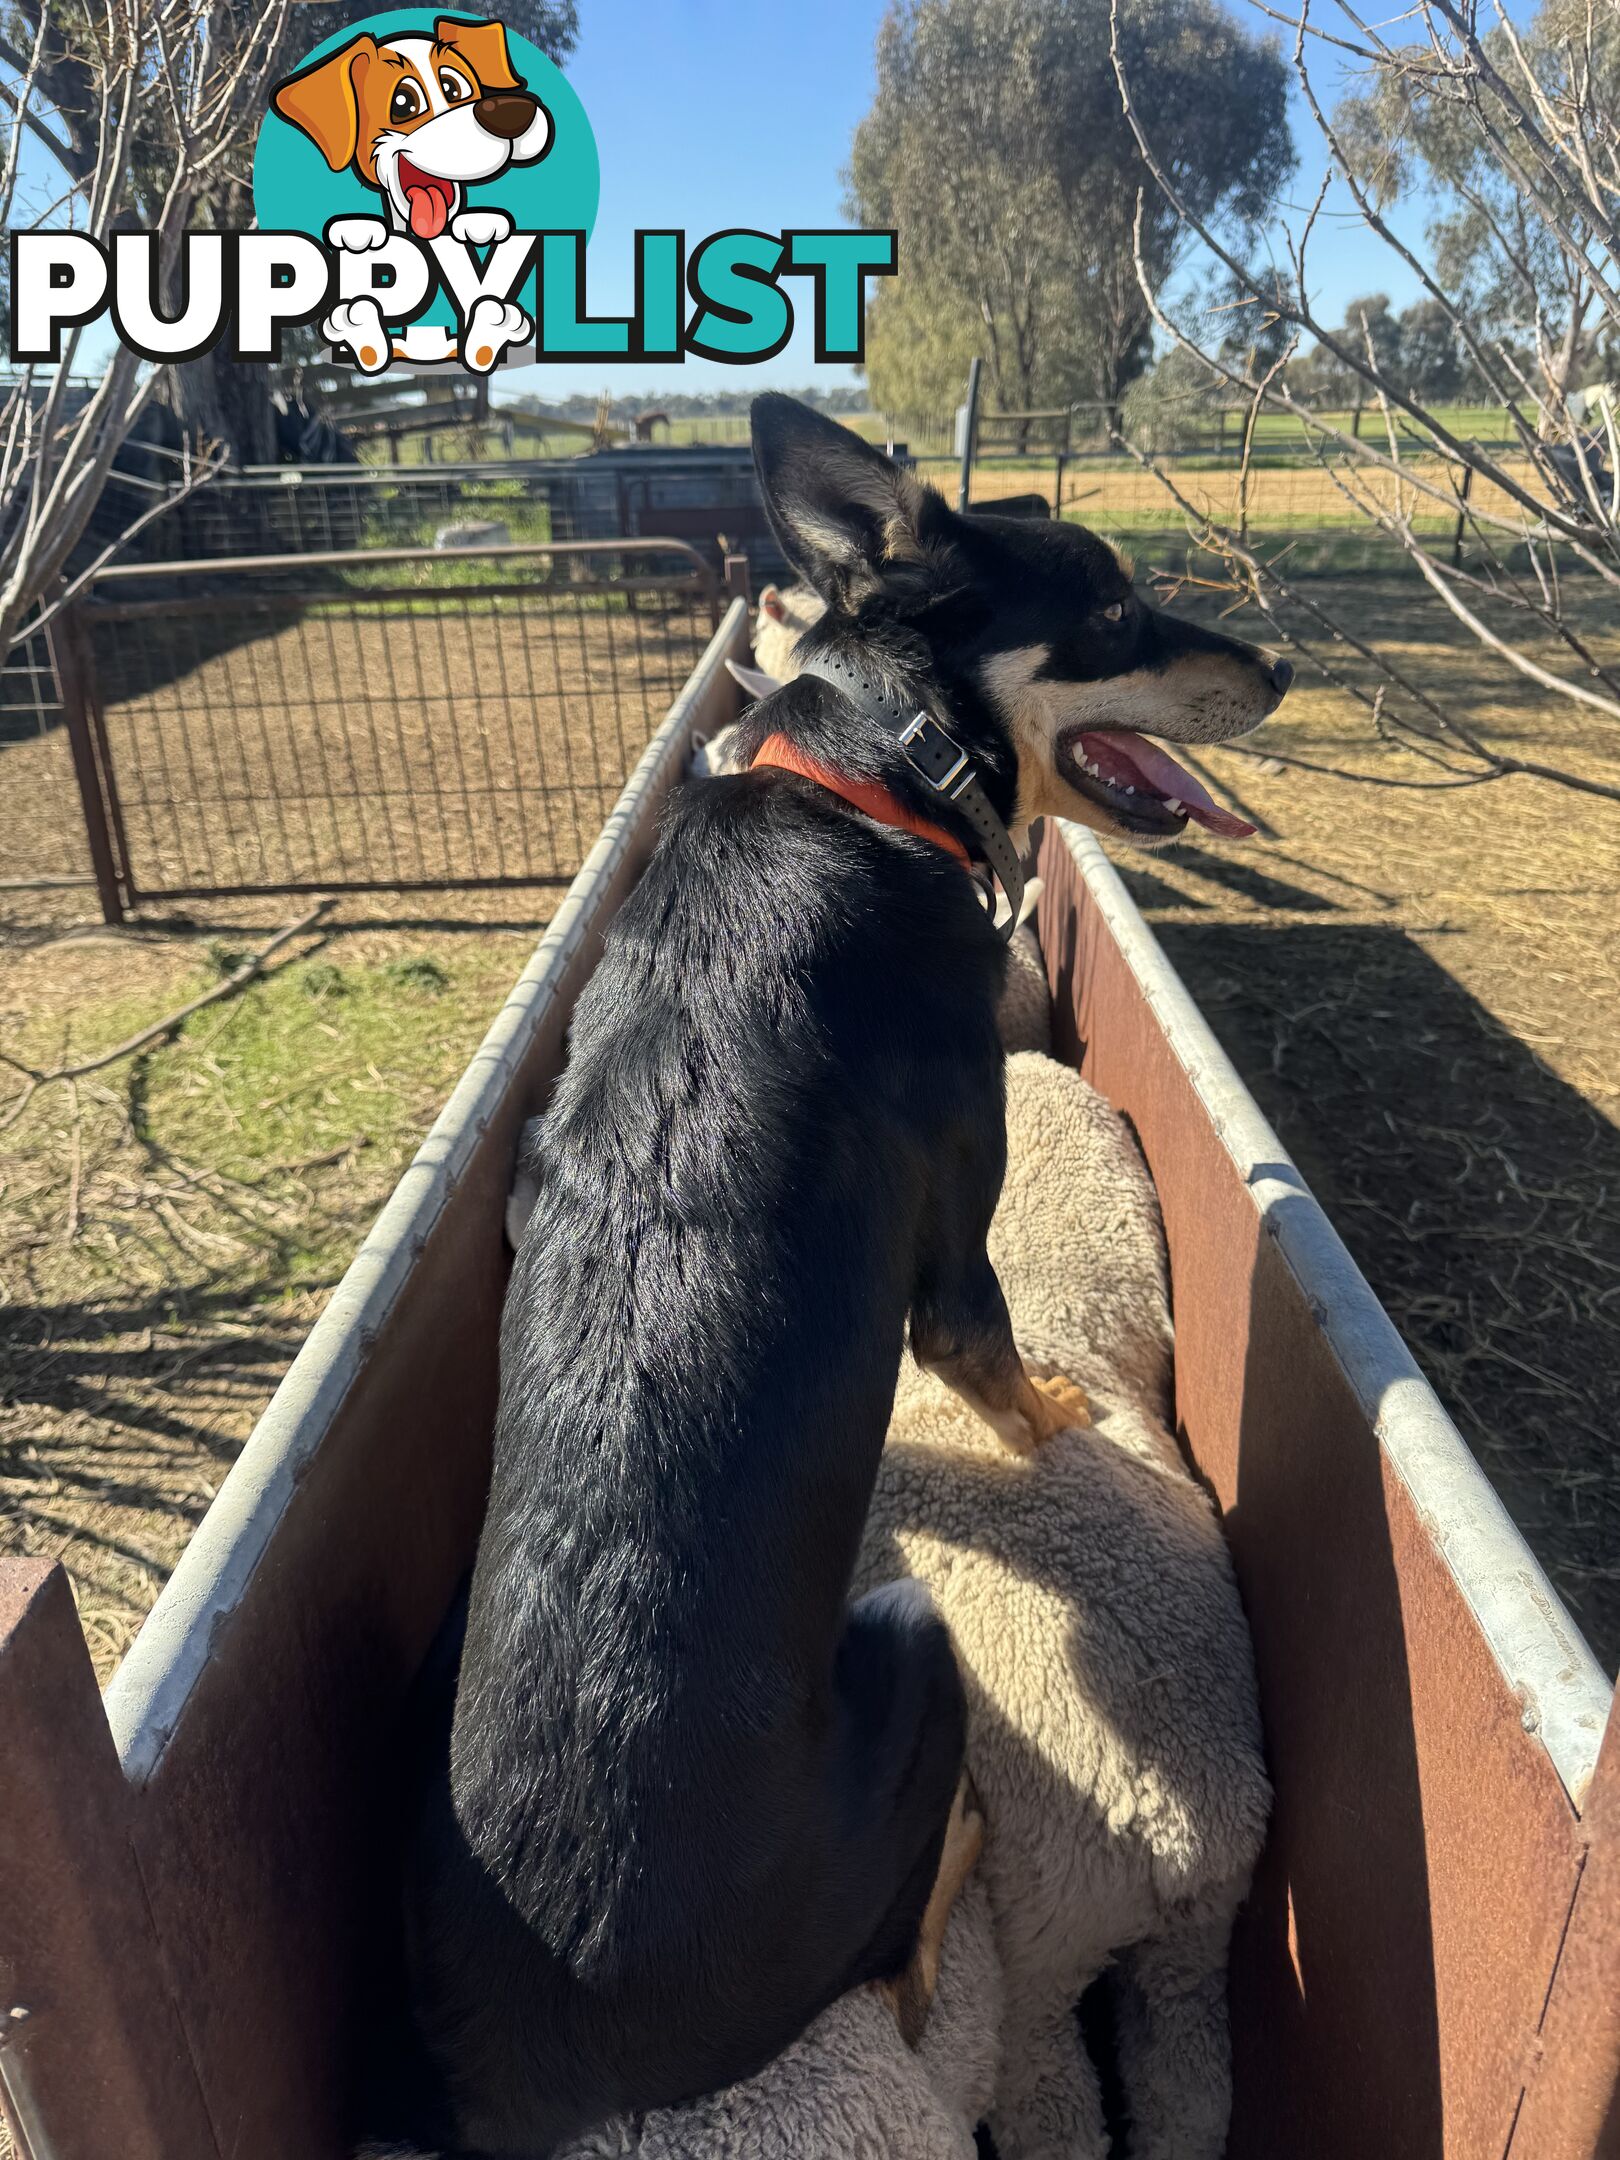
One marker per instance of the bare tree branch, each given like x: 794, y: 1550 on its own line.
x: 152, y: 100
x: 1519, y: 131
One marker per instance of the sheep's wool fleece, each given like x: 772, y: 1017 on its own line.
x: 1113, y: 1721
x: 849, y: 2088
x: 1024, y: 1016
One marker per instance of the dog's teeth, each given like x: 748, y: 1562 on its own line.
x: 1130, y: 791
x: 1171, y: 803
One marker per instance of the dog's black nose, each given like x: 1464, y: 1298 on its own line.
x: 1282, y: 674
x: 505, y: 113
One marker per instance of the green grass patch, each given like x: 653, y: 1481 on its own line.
x: 345, y: 1057
x: 321, y: 1054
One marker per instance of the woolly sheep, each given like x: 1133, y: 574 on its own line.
x: 1024, y: 1015
x: 780, y: 620
x: 849, y: 2088
x: 1114, y: 1731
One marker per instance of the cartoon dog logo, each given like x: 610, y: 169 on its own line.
x: 420, y: 119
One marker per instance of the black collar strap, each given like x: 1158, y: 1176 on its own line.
x: 938, y: 758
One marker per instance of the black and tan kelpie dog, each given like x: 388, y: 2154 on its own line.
x: 693, y: 1794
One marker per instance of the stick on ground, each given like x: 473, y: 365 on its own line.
x: 238, y: 979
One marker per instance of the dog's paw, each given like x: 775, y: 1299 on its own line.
x: 358, y: 324
x: 1063, y: 1407
x: 356, y: 235
x: 480, y: 228
x: 492, y: 327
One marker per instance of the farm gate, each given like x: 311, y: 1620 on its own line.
x: 369, y: 719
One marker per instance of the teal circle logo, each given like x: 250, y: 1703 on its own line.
x: 337, y: 141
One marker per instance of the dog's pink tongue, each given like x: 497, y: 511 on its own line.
x: 1133, y: 758
x: 429, y: 211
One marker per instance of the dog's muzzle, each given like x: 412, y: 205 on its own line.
x: 505, y: 114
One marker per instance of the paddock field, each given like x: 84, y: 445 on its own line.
x: 1423, y: 989
x: 1277, y: 434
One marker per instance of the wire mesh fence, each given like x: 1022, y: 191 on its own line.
x: 697, y: 493
x: 377, y: 720
x: 30, y: 690
x: 1320, y: 516
x: 312, y: 509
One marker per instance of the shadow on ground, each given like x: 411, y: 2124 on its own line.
x: 1479, y: 1194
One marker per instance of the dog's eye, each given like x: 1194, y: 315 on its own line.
x: 1114, y: 612
x: 453, y: 86
x: 405, y: 103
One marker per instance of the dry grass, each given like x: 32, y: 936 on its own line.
x: 170, y: 1228
x: 1299, y: 498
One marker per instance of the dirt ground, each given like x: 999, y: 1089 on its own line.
x: 1423, y: 989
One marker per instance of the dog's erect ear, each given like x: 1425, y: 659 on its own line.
x: 324, y: 100
x: 848, y: 519
x: 483, y: 46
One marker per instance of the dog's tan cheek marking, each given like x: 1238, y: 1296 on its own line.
x: 1008, y: 682
x: 1202, y: 698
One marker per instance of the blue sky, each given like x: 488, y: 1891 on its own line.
x: 706, y: 117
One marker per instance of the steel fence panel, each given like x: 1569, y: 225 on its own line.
x: 381, y: 719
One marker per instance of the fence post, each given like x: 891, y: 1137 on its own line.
x: 1463, y: 494
x: 70, y: 643
x: 967, y: 421
x: 737, y: 582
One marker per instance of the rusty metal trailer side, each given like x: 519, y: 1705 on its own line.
x: 1426, y: 1967
x: 1433, y: 1717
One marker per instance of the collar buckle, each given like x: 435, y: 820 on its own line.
x: 938, y: 756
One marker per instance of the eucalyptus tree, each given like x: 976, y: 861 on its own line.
x: 996, y: 147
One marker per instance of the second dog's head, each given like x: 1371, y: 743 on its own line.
x: 1057, y: 673
x: 420, y: 119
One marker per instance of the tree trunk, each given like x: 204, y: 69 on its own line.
x: 217, y: 399
x: 220, y: 400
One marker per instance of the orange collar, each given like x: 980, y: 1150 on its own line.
x: 869, y: 795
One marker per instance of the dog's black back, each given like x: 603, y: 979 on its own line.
x: 790, y: 1031
x: 691, y: 1797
